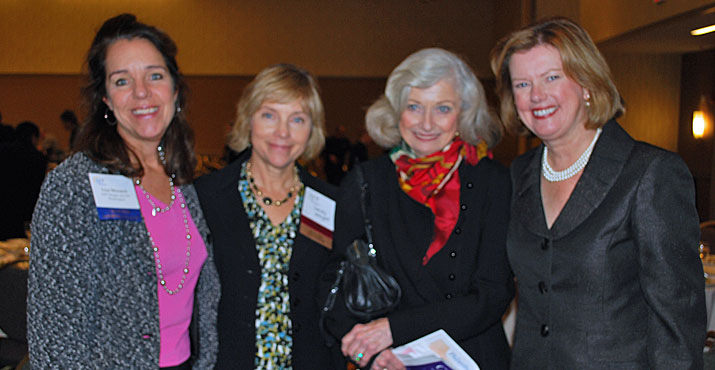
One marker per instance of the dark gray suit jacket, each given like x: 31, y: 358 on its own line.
x: 616, y: 282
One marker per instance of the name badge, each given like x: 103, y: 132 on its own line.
x: 115, y: 197
x: 317, y: 218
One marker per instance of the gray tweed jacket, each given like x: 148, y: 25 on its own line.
x: 92, y: 294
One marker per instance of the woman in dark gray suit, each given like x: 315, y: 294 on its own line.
x: 603, y: 232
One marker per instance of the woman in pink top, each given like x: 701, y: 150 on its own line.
x: 121, y: 286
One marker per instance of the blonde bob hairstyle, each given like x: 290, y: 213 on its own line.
x: 280, y: 83
x: 582, y: 62
x: 422, y: 70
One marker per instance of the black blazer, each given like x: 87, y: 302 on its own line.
x: 465, y: 288
x: 240, y: 275
x: 616, y: 281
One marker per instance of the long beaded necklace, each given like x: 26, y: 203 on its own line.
x: 175, y: 194
x: 265, y: 199
x: 554, y: 176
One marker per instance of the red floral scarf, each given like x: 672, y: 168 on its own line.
x: 434, y: 181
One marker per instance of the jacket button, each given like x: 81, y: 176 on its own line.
x: 544, y: 330
x: 463, y: 207
x: 542, y: 287
x: 457, y: 230
x: 453, y: 254
x: 451, y: 276
x: 545, y: 244
x: 296, y: 276
x: 249, y: 271
x: 295, y: 301
x: 448, y: 296
x: 470, y: 185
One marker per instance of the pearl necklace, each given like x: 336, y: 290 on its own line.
x: 554, y: 176
x: 175, y: 193
x: 267, y: 200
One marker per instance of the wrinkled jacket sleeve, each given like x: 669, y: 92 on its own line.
x: 666, y: 230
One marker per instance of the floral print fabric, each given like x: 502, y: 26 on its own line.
x: 274, y: 244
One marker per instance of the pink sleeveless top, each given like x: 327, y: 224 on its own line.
x: 168, y: 233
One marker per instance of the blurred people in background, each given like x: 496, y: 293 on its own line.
x: 6, y: 131
x: 336, y: 156
x: 51, y: 148
x: 71, y: 124
x: 23, y: 169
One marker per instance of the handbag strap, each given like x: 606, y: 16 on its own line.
x: 364, y: 203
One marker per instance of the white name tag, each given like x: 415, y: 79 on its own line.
x: 114, y: 197
x: 318, y: 217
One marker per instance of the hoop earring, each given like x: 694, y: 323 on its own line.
x: 106, y: 117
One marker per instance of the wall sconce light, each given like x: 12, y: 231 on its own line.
x: 698, y: 124
x: 702, y: 118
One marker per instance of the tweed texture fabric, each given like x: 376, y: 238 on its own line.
x: 92, y: 293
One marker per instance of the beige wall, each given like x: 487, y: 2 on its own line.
x: 240, y: 37
x: 650, y: 85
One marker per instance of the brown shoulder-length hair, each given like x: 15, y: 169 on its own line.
x: 582, y: 62
x: 281, y: 83
x: 98, y: 138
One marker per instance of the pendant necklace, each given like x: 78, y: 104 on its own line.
x: 265, y: 199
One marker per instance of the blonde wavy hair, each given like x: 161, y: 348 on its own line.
x: 281, y: 83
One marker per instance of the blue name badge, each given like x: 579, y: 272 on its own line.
x: 115, y: 197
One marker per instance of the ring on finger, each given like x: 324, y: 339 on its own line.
x: 358, y: 357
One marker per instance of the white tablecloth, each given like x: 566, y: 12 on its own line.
x: 709, y: 299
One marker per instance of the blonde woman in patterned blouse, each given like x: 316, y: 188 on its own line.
x: 268, y: 265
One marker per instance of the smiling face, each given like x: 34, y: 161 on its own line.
x: 280, y: 133
x: 140, y: 91
x: 549, y: 103
x: 429, y: 121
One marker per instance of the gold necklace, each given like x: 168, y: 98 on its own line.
x: 266, y: 199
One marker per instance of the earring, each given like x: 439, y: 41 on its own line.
x: 588, y: 100
x: 106, y: 117
x: 588, y: 103
x: 178, y: 109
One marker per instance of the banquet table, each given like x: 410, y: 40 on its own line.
x: 13, y: 300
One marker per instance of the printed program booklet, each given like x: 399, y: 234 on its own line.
x: 435, y: 351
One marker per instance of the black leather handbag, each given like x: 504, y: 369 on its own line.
x: 368, y: 291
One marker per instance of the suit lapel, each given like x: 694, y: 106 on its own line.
x: 527, y: 208
x: 606, y: 162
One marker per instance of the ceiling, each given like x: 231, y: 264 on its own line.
x: 668, y: 36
